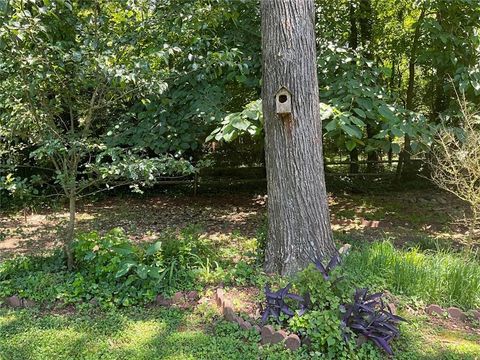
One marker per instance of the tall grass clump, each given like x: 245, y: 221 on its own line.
x: 445, y: 278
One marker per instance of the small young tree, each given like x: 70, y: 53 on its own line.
x: 456, y: 163
x: 70, y: 70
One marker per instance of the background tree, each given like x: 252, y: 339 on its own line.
x: 299, y: 223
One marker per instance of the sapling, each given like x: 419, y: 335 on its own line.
x: 456, y: 163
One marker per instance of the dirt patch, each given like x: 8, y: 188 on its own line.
x: 405, y: 216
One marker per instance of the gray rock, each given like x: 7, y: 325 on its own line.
x: 178, y: 298
x: 456, y: 313
x: 434, y: 309
x: 162, y: 301
x: 278, y: 336
x: 361, y: 340
x: 393, y: 308
x: 245, y: 325
x: 28, y: 303
x: 267, y: 332
x: 292, y: 342
x: 219, y: 294
x: 229, y: 314
x: 14, y: 302
x: 192, y: 295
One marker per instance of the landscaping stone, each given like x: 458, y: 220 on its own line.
x: 162, y: 301
x: 434, y: 309
x: 292, y: 342
x: 361, y: 340
x: 178, y: 298
x: 456, y: 313
x: 257, y: 329
x: 219, y: 295
x: 278, y: 336
x: 345, y: 249
x: 245, y: 325
x: 267, y: 332
x: 393, y: 308
x: 228, y: 312
x: 28, y: 303
x: 226, y: 304
x: 476, y: 314
x: 192, y: 295
x: 14, y: 302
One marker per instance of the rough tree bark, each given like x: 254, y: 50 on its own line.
x: 298, y: 216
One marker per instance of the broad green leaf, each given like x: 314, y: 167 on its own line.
x: 154, y: 248
x: 125, y: 268
x: 387, y: 113
x: 360, y: 112
x: 352, y: 131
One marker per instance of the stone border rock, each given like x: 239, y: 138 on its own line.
x: 267, y: 333
x: 453, y: 312
x: 17, y: 302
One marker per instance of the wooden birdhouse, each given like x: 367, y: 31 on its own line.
x: 283, y: 101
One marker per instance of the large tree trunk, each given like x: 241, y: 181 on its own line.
x: 298, y: 216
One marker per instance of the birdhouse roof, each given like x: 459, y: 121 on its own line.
x: 283, y: 89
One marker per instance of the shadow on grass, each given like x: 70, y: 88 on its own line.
x: 128, y: 334
x: 31, y: 335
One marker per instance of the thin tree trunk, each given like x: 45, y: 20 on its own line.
x: 298, y: 215
x: 354, y: 166
x: 353, y: 37
x: 405, y: 164
x: 353, y: 43
x: 365, y: 18
x: 71, y: 229
x: 440, y: 102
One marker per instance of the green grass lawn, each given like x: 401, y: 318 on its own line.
x: 134, y: 334
x: 175, y: 334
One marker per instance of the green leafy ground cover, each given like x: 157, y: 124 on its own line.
x: 141, y: 333
x: 124, y: 275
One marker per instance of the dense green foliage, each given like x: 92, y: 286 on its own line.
x: 116, y: 272
x: 121, y: 81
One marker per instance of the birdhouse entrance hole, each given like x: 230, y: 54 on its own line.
x: 283, y: 100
